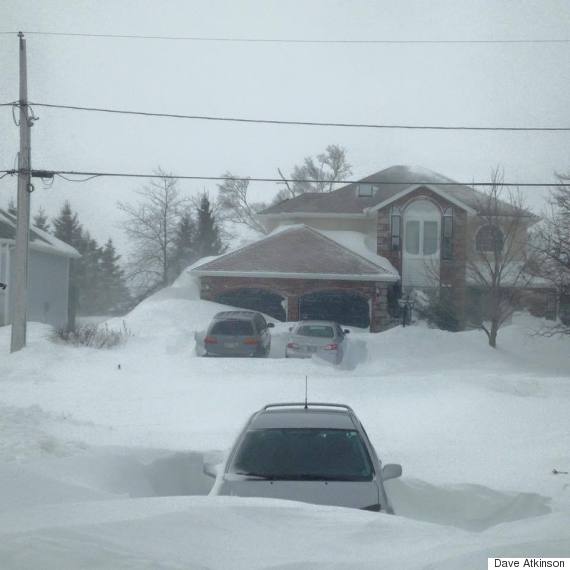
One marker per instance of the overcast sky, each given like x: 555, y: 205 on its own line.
x: 481, y: 84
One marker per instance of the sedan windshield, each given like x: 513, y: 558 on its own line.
x: 233, y: 328
x: 304, y: 454
x: 319, y: 331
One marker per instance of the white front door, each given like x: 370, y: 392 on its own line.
x: 420, y: 263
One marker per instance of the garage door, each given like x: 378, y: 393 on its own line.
x: 343, y: 307
x: 254, y: 300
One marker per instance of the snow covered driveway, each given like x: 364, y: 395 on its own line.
x: 97, y: 444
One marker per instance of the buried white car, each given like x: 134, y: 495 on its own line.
x: 315, y: 453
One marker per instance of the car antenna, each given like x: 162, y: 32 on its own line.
x: 306, y: 389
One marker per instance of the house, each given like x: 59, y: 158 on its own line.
x: 48, y: 274
x: 352, y: 252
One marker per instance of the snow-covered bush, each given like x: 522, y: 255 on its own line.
x: 95, y: 336
x: 437, y: 308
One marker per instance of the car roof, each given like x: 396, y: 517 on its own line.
x: 300, y: 417
x: 236, y: 315
x: 328, y: 323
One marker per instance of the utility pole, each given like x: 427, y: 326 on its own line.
x: 20, y: 282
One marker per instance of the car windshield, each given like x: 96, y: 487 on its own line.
x: 235, y: 328
x: 304, y: 454
x: 319, y: 331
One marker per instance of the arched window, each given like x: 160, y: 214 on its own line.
x: 489, y: 239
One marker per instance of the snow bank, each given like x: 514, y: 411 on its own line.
x: 93, y: 440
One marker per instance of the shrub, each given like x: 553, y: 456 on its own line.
x: 438, y: 309
x: 94, y: 336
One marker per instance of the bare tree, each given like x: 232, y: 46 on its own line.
x: 152, y: 225
x: 500, y: 263
x: 316, y: 174
x: 234, y: 205
x: 553, y: 247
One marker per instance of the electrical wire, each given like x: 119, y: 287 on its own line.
x: 90, y: 175
x: 301, y: 123
x: 299, y: 40
x: 62, y: 173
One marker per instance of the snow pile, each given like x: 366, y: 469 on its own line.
x: 94, y: 443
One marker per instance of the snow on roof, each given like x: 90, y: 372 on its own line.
x: 392, y: 182
x: 512, y: 275
x: 39, y: 239
x: 299, y: 251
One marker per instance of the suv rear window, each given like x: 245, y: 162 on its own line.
x: 304, y: 454
x: 320, y: 331
x: 233, y: 328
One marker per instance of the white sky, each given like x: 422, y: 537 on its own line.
x: 446, y: 84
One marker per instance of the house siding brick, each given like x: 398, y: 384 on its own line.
x: 452, y: 271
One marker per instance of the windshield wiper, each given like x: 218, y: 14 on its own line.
x: 255, y: 475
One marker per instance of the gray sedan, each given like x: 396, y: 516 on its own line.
x: 322, y: 338
x: 314, y: 453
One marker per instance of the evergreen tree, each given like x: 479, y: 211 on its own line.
x: 184, y: 243
x: 68, y: 229
x: 208, y: 240
x: 12, y: 210
x: 41, y: 220
x: 114, y: 295
x: 89, y: 276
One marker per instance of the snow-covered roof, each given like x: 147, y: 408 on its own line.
x: 513, y: 275
x: 392, y: 183
x: 39, y: 239
x: 300, y: 251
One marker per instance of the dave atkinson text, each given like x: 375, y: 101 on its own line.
x: 528, y: 563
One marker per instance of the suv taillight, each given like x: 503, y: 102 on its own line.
x: 211, y: 340
x: 250, y: 341
x: 331, y: 346
x: 292, y: 345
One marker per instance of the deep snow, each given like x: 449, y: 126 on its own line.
x: 94, y: 458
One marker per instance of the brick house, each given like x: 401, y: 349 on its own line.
x: 348, y: 254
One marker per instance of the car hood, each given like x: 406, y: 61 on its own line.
x: 356, y: 494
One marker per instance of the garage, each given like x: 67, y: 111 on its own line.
x: 345, y: 307
x: 260, y: 300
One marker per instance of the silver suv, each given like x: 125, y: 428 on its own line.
x: 315, y: 453
x: 238, y: 333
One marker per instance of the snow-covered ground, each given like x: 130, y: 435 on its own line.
x: 101, y: 451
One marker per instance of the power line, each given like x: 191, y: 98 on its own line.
x: 301, y: 123
x: 299, y: 40
x: 64, y: 173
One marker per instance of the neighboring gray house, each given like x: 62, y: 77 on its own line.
x: 48, y: 274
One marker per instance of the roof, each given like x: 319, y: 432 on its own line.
x: 392, y: 183
x: 39, y: 240
x: 299, y: 252
x: 302, y: 418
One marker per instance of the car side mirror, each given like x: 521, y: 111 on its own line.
x: 391, y: 471
x: 346, y: 331
x: 211, y: 469
x: 270, y: 325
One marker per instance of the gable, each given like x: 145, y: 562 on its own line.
x: 298, y: 252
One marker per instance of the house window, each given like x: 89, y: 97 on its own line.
x: 413, y: 237
x: 430, y: 237
x: 396, y: 229
x: 365, y: 190
x: 447, y: 234
x: 489, y: 239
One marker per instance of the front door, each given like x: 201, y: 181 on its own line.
x: 420, y: 264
